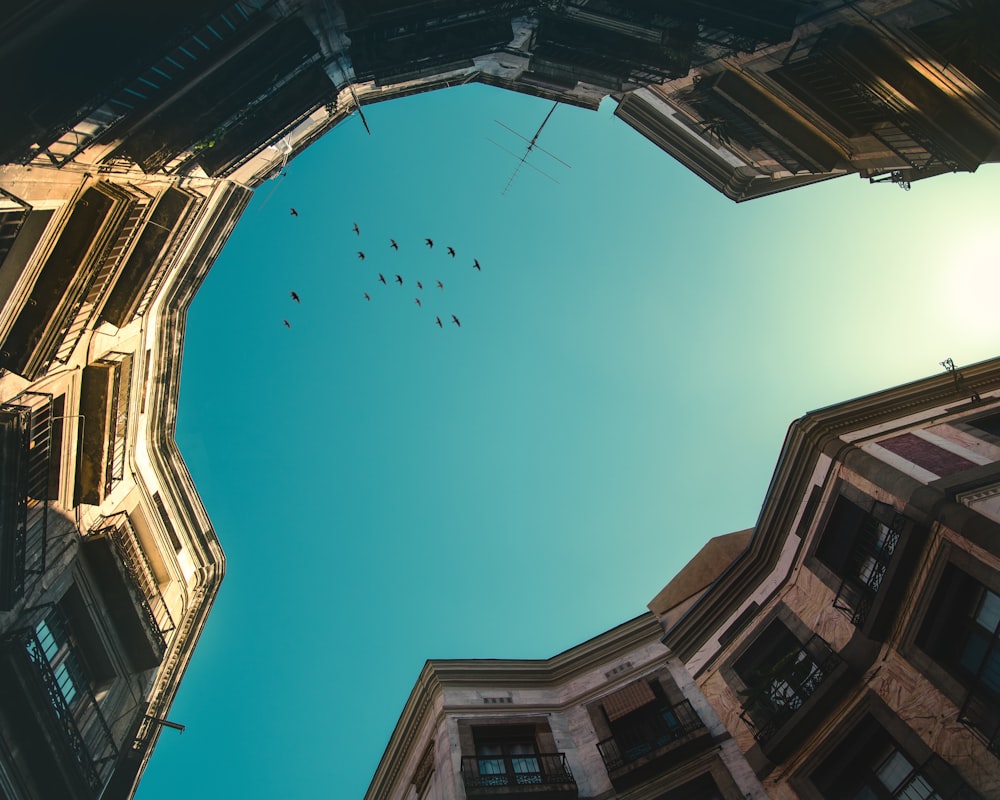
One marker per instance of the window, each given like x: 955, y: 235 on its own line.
x: 509, y: 756
x: 779, y: 674
x: 857, y: 546
x: 508, y: 760
x: 869, y: 764
x: 961, y: 634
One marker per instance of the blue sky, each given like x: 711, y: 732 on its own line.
x: 630, y: 357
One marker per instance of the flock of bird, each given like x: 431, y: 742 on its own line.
x: 398, y: 278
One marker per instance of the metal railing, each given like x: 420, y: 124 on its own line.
x: 525, y: 769
x: 119, y: 531
x: 981, y: 713
x: 31, y: 501
x: 655, y: 730
x: 74, y: 708
x: 793, y: 679
x: 867, y: 564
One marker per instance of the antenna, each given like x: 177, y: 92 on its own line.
x: 532, y: 145
x: 357, y: 102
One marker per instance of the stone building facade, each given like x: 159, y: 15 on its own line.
x: 108, y: 562
x: 132, y: 138
x: 852, y: 647
x: 847, y: 646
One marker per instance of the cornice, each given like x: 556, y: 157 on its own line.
x: 172, y: 474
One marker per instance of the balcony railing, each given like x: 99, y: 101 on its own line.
x: 521, y: 770
x: 119, y: 532
x: 75, y: 711
x: 866, y: 567
x: 651, y: 733
x: 27, y: 424
x: 793, y: 679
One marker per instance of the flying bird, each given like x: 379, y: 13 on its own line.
x: 381, y: 277
x: 420, y: 286
x: 295, y: 297
x: 399, y: 280
x: 455, y: 320
x: 361, y: 255
x: 417, y: 301
x: 294, y: 212
x: 367, y: 297
x: 440, y: 285
x: 438, y: 321
x: 451, y: 251
x: 287, y: 324
x: 430, y: 242
x: 475, y: 264
x: 357, y: 230
x: 393, y: 245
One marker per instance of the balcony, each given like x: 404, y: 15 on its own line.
x: 62, y: 735
x: 867, y: 566
x: 104, y: 402
x: 981, y: 709
x: 527, y: 776
x: 26, y: 431
x: 790, y: 692
x: 652, y: 740
x: 129, y: 585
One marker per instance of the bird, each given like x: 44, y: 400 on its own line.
x: 451, y: 251
x: 393, y: 245
x: 294, y: 212
x: 367, y: 297
x: 430, y: 242
x: 475, y: 264
x: 420, y: 286
x: 440, y: 285
x: 356, y: 229
x: 417, y: 301
x: 361, y: 255
x: 399, y: 280
x: 455, y: 320
x: 438, y: 321
x: 287, y: 323
x: 381, y: 277
x: 295, y: 297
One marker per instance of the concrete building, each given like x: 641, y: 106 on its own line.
x: 846, y: 646
x: 612, y: 717
x: 851, y: 649
x: 131, y: 149
x: 891, y: 91
x: 755, y: 96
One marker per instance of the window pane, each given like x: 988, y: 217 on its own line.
x: 894, y: 770
x: 989, y: 611
x: 973, y: 652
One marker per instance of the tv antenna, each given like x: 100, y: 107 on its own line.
x: 361, y: 112
x: 522, y: 160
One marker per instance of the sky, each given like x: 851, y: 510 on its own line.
x: 630, y: 356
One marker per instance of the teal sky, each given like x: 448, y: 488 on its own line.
x: 630, y: 357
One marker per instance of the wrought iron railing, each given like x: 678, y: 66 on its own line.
x: 75, y: 710
x: 121, y: 386
x: 655, y: 730
x: 981, y: 711
x: 866, y: 567
x: 793, y: 679
x: 526, y: 769
x: 119, y: 531
x: 30, y: 527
